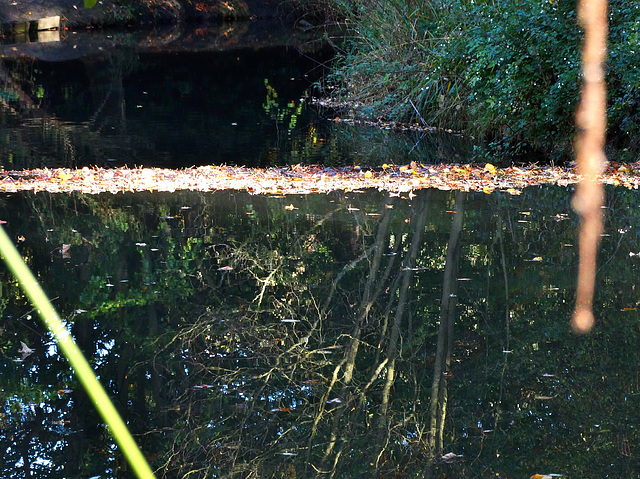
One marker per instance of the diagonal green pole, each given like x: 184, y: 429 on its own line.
x: 92, y: 386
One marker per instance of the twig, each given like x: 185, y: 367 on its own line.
x: 418, y: 113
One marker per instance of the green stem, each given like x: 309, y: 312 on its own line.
x: 92, y: 386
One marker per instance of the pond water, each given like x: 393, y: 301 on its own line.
x: 349, y: 335
x: 204, y: 103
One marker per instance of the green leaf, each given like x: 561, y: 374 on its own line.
x: 89, y: 3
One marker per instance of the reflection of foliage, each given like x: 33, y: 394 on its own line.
x: 280, y: 114
x: 95, y: 112
x: 282, y: 369
x: 273, y: 396
x: 267, y: 342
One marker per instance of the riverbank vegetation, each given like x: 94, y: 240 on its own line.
x: 507, y: 73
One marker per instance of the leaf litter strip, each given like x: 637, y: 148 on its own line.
x: 305, y: 179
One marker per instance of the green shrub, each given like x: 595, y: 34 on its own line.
x: 505, y: 72
x: 623, y: 79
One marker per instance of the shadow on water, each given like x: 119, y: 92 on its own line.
x: 233, y: 94
x: 345, y: 335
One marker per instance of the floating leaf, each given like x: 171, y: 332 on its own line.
x: 450, y: 457
x: 303, y: 179
x: 25, y: 350
x: 490, y: 168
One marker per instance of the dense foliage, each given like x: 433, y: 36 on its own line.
x: 508, y: 72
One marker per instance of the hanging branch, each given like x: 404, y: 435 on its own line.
x: 591, y: 122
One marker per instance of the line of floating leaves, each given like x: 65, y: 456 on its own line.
x: 306, y: 179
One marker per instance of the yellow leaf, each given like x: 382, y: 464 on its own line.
x: 490, y: 168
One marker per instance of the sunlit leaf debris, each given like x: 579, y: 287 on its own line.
x: 299, y: 179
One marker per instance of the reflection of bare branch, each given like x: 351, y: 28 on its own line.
x: 265, y: 283
x: 344, y: 271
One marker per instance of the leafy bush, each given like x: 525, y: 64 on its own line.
x: 507, y: 72
x: 624, y: 78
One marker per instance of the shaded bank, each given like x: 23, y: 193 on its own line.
x: 127, y: 13
x: 171, y: 37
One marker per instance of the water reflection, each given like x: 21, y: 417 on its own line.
x: 186, y: 101
x: 345, y: 335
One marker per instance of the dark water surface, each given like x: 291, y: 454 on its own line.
x: 141, y: 106
x: 257, y: 336
x: 347, y: 335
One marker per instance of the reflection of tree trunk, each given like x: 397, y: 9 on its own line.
x: 506, y: 322
x: 406, y: 274
x: 438, y: 407
x: 373, y: 288
x: 370, y: 294
x: 33, y: 429
x: 158, y: 385
x: 83, y: 414
x: 123, y: 368
x: 110, y: 111
x: 377, y: 283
